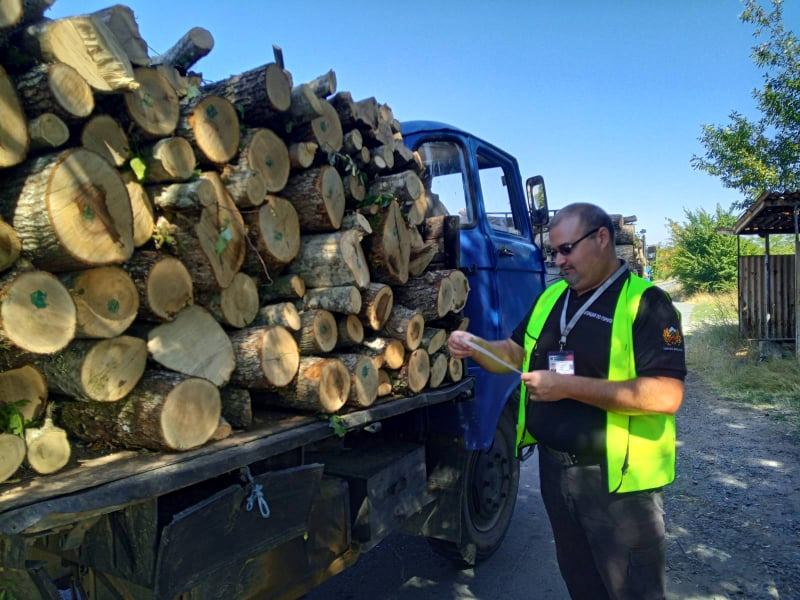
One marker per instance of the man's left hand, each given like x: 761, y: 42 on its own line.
x: 543, y: 386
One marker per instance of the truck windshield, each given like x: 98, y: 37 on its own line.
x: 445, y: 180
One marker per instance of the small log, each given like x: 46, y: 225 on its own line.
x: 267, y: 358
x: 211, y: 125
x: 354, y: 189
x: 143, y: 214
x: 236, y: 305
x: 48, y: 449
x: 169, y: 160
x: 376, y: 306
x: 325, y: 130
x: 284, y: 314
x: 152, y: 109
x: 264, y: 153
x: 433, y: 339
x: 363, y: 379
x: 352, y: 141
x: 47, y: 132
x: 386, y: 352
x: 99, y: 371
x: 223, y: 430
x: 246, y: 187
x: 350, y: 331
x: 183, y: 85
x: 194, y: 45
x: 403, y: 156
x: 262, y: 94
x: 165, y: 411
x: 122, y: 23
x: 71, y: 210
x: 344, y: 299
x: 12, y: 454
x: 331, y: 259
x: 318, y: 332
x: 86, y: 44
x: 106, y: 301
x: 416, y: 210
x: 318, y: 196
x: 415, y: 237
x: 455, y: 369
x: 274, y: 236
x: 193, y: 344
x: 405, y: 187
x: 381, y: 159
x: 55, y: 88
x: 37, y: 313
x: 389, y: 248
x: 413, y: 376
x: 102, y: 134
x: 439, y: 366
x: 355, y: 220
x: 288, y: 287
x: 322, y: 385
x: 305, y: 105
x: 27, y: 387
x: 349, y: 112
x: 324, y: 85
x: 237, y: 406
x: 431, y: 294
x: 384, y: 383
x: 14, y: 139
x: 10, y: 246
x: 421, y: 259
x: 14, y: 13
x: 192, y: 195
x: 163, y: 283
x: 460, y: 285
x: 301, y: 154
x: 446, y: 229
x: 406, y: 325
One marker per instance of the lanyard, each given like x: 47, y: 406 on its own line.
x: 567, y: 327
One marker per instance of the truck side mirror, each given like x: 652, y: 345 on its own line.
x: 537, y: 201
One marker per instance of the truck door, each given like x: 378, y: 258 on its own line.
x: 518, y: 271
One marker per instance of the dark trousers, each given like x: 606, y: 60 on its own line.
x: 608, y: 545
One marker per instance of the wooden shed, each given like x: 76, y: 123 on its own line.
x: 768, y: 285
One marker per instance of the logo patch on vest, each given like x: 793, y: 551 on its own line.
x: 672, y: 337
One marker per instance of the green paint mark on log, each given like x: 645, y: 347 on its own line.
x: 211, y: 111
x: 365, y: 371
x: 39, y: 299
x: 88, y: 213
x: 323, y: 125
x: 113, y: 306
x: 269, y: 162
x: 278, y: 237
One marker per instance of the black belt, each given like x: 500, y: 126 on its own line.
x: 569, y: 459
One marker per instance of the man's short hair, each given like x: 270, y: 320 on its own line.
x: 591, y: 216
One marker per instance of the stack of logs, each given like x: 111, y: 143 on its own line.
x: 173, y: 249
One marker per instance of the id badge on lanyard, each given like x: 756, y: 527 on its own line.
x: 562, y: 362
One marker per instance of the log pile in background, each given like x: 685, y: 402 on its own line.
x: 171, y: 250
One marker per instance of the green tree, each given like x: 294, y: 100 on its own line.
x: 754, y: 155
x: 704, y: 260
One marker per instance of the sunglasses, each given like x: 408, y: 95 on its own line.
x: 565, y: 249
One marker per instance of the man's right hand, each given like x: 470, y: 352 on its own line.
x: 457, y: 344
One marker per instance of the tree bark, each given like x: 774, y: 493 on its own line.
x: 413, y: 376
x: 363, y: 379
x: 349, y: 112
x: 169, y: 160
x: 331, y: 259
x: 47, y: 132
x: 10, y: 246
x: 194, y: 45
x: 343, y: 299
x: 193, y: 344
x: 223, y: 430
x: 322, y: 385
x: 14, y: 139
x: 389, y: 247
x: 237, y: 406
x: 350, y: 331
x: 288, y: 287
x: 431, y: 294
x: 263, y: 94
x: 324, y: 85
x: 28, y: 386
x: 305, y: 105
x: 405, y: 325
x: 12, y: 454
x: 318, y: 332
x: 386, y: 352
x: 318, y: 196
x: 211, y: 124
x: 274, y: 234
x: 267, y: 358
x: 71, y: 210
x: 163, y: 283
x: 236, y: 305
x: 165, y: 411
x: 376, y: 306
x: 55, y: 88
x: 48, y: 449
x: 106, y: 301
x: 102, y: 134
x: 122, y: 23
x: 284, y: 314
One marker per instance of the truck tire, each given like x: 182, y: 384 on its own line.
x: 490, y: 483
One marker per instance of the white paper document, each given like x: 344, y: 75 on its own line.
x: 491, y: 355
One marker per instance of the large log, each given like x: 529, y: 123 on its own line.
x: 344, y: 299
x: 389, y: 247
x: 163, y: 283
x: 100, y: 371
x: 14, y: 139
x: 274, y: 235
x: 47, y: 132
x: 71, y: 210
x: 25, y: 387
x: 12, y: 453
x: 413, y: 376
x: 106, y: 301
x: 122, y: 23
x: 10, y: 246
x: 263, y: 153
x: 237, y: 406
x: 386, y: 352
x: 331, y: 259
x: 376, y: 306
x: 322, y: 385
x: 288, y: 287
x: 165, y: 411
x: 267, y: 358
x: 262, y: 93
x: 234, y: 306
x: 193, y: 344
x: 325, y: 130
x: 363, y: 379
x: 431, y: 294
x: 169, y: 160
x: 86, y: 44
x: 406, y: 325
x: 317, y: 333
x: 284, y: 314
x: 318, y: 196
x: 47, y: 448
x: 211, y: 125
x: 104, y: 135
x: 194, y: 45
x: 37, y: 313
x: 55, y: 88
x: 152, y: 110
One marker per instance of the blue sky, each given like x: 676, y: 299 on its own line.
x: 604, y: 98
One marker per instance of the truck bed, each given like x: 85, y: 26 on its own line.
x: 101, y: 482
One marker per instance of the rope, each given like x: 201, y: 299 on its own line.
x: 256, y: 495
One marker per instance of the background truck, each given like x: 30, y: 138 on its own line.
x: 274, y: 511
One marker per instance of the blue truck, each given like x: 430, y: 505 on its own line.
x: 273, y: 511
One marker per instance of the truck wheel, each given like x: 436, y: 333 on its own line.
x: 490, y: 484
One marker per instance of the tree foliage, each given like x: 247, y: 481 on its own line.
x: 754, y: 155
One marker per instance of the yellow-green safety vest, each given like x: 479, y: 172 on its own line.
x: 640, y: 449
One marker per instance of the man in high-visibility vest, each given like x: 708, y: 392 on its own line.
x: 602, y: 360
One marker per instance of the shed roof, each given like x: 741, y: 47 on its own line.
x: 772, y: 212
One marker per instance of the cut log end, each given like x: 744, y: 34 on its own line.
x: 47, y: 131
x: 143, y: 213
x: 14, y: 137
x: 455, y: 369
x: 419, y: 370
x: 26, y: 385
x: 190, y: 414
x: 106, y: 301
x: 10, y: 246
x: 438, y: 370
x: 112, y: 368
x: 363, y: 380
x: 334, y: 387
x: 12, y: 453
x: 239, y: 301
x: 169, y: 288
x: 103, y: 135
x: 48, y: 448
x: 460, y: 285
x: 215, y: 127
x: 384, y: 383
x: 268, y: 155
x: 70, y: 90
x: 280, y: 357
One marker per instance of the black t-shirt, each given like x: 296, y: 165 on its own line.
x: 572, y: 426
